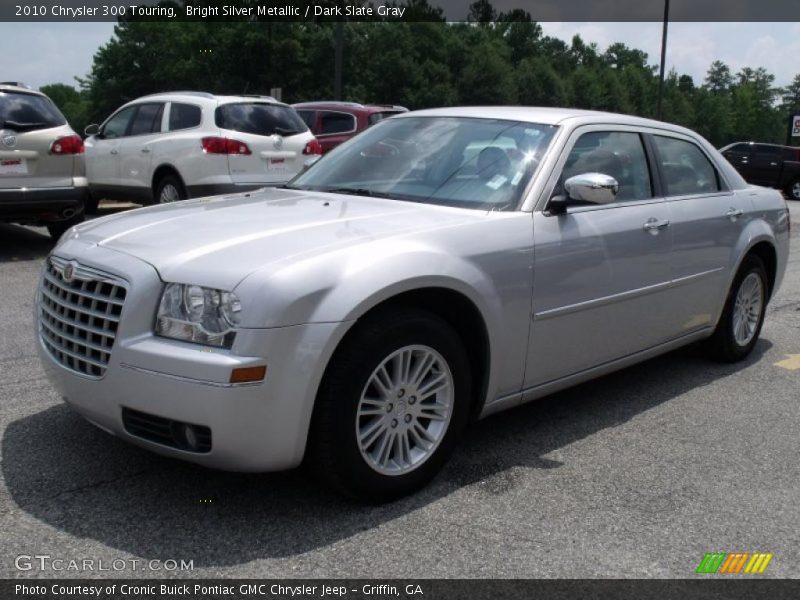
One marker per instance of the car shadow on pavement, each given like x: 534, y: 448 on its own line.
x: 18, y: 243
x: 22, y: 243
x: 77, y: 479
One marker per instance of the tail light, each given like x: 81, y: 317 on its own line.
x: 70, y: 144
x: 313, y: 147
x: 221, y: 145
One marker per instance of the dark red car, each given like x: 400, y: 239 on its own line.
x: 336, y: 122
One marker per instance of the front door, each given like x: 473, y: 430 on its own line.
x: 600, y: 272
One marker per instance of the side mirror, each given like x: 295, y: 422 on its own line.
x: 92, y: 129
x: 596, y: 188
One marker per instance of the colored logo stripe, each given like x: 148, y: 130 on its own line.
x: 723, y: 562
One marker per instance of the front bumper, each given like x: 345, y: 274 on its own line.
x: 254, y: 427
x: 42, y: 204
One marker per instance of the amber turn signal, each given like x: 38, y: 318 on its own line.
x: 248, y: 374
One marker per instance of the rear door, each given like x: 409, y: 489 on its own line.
x: 275, y: 137
x: 30, y: 124
x: 765, y: 164
x: 707, y: 221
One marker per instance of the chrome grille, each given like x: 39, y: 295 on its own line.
x: 79, y: 312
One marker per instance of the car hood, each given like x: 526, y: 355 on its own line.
x: 218, y: 241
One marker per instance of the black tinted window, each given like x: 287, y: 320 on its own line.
x: 27, y: 112
x: 259, y: 118
x: 767, y: 152
x: 336, y: 122
x: 183, y: 116
x: 147, y: 119
x: 685, y: 167
x: 308, y: 116
x: 380, y: 116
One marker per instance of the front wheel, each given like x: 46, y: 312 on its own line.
x: 393, y: 402
x: 740, y: 324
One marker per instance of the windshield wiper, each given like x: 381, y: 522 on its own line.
x: 22, y: 126
x: 285, y: 131
x: 353, y: 192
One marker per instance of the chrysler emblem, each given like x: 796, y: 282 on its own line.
x: 69, y: 272
x: 9, y: 140
x: 277, y: 142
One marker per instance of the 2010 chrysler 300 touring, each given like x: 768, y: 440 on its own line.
x: 443, y: 265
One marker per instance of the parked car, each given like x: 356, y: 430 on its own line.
x: 336, y: 122
x: 770, y: 165
x: 42, y: 179
x: 178, y: 145
x: 444, y: 265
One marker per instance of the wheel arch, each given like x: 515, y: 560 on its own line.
x: 162, y: 171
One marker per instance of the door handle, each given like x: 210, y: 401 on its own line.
x: 146, y: 150
x: 734, y: 213
x: 114, y: 152
x: 653, y: 226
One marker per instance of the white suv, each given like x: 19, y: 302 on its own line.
x: 176, y: 145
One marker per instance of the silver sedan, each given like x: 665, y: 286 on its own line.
x: 443, y: 265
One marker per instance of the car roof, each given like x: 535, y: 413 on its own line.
x: 195, y: 96
x: 354, y: 106
x: 763, y: 144
x: 544, y: 115
x: 21, y: 88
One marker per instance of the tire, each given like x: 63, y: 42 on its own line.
x: 169, y: 189
x: 57, y: 228
x: 90, y: 205
x: 793, y: 190
x: 379, y: 470
x: 743, y: 315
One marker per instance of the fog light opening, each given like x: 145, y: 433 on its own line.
x: 185, y: 436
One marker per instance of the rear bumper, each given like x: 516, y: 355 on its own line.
x: 41, y: 204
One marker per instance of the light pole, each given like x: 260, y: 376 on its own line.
x: 663, y: 59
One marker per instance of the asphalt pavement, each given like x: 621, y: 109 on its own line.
x: 637, y: 474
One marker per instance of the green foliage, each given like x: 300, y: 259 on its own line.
x: 490, y: 59
x: 73, y: 104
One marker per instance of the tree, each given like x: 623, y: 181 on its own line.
x: 73, y: 104
x: 718, y: 78
x: 540, y: 85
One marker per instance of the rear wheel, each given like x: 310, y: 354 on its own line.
x: 169, y: 189
x: 793, y: 191
x: 740, y: 324
x: 393, y: 402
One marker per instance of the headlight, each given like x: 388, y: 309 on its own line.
x: 198, y: 314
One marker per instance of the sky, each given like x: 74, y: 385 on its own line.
x: 58, y: 52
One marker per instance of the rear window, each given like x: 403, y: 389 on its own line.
x: 259, y: 118
x: 183, y: 116
x: 380, y: 116
x: 336, y: 122
x: 308, y: 116
x: 28, y: 112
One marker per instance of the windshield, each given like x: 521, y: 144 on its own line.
x: 475, y: 163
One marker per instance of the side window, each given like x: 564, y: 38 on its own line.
x: 309, y: 117
x: 685, y: 167
x: 117, y: 125
x: 336, y: 122
x: 147, y: 119
x: 619, y: 154
x: 183, y: 116
x: 767, y: 153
